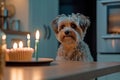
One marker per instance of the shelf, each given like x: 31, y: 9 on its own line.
x: 111, y: 37
x: 109, y: 1
x: 15, y: 32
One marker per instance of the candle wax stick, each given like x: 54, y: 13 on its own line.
x: 28, y: 43
x: 2, y: 54
x: 36, y: 49
x: 28, y: 40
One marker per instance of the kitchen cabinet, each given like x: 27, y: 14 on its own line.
x: 41, y: 13
x: 108, y: 44
x: 36, y: 14
x: 108, y: 57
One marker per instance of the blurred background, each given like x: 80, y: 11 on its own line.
x: 21, y: 17
x: 26, y: 16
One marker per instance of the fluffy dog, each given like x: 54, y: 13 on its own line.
x: 70, y: 31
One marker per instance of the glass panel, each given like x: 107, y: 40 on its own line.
x: 113, y: 13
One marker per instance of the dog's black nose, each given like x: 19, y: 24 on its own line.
x: 67, y: 32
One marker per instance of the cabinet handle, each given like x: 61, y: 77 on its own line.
x: 45, y: 28
x: 49, y: 32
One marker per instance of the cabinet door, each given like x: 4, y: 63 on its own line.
x: 109, y: 58
x: 41, y: 13
x: 104, y: 42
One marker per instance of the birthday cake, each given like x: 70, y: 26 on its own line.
x: 20, y: 54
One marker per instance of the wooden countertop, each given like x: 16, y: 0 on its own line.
x: 68, y: 70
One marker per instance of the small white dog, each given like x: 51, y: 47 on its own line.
x: 70, y: 31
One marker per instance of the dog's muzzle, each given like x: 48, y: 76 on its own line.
x: 69, y: 34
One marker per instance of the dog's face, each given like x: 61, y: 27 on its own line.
x: 70, y: 29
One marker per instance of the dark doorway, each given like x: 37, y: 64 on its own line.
x: 88, y: 8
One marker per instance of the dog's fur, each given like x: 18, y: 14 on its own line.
x: 70, y: 31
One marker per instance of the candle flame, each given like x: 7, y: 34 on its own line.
x: 4, y: 37
x: 37, y: 34
x: 20, y: 44
x: 15, y: 45
x: 28, y: 36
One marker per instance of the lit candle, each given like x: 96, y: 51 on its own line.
x: 15, y: 45
x: 28, y: 40
x: 4, y: 42
x: 37, y: 35
x: 2, y: 54
x: 20, y: 44
x: 4, y: 39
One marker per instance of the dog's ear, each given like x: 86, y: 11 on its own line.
x: 55, y: 25
x: 55, y: 22
x: 84, y: 22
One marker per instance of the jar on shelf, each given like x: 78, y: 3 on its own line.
x: 16, y: 25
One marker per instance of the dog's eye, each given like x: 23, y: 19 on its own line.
x: 73, y: 26
x: 62, y: 26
